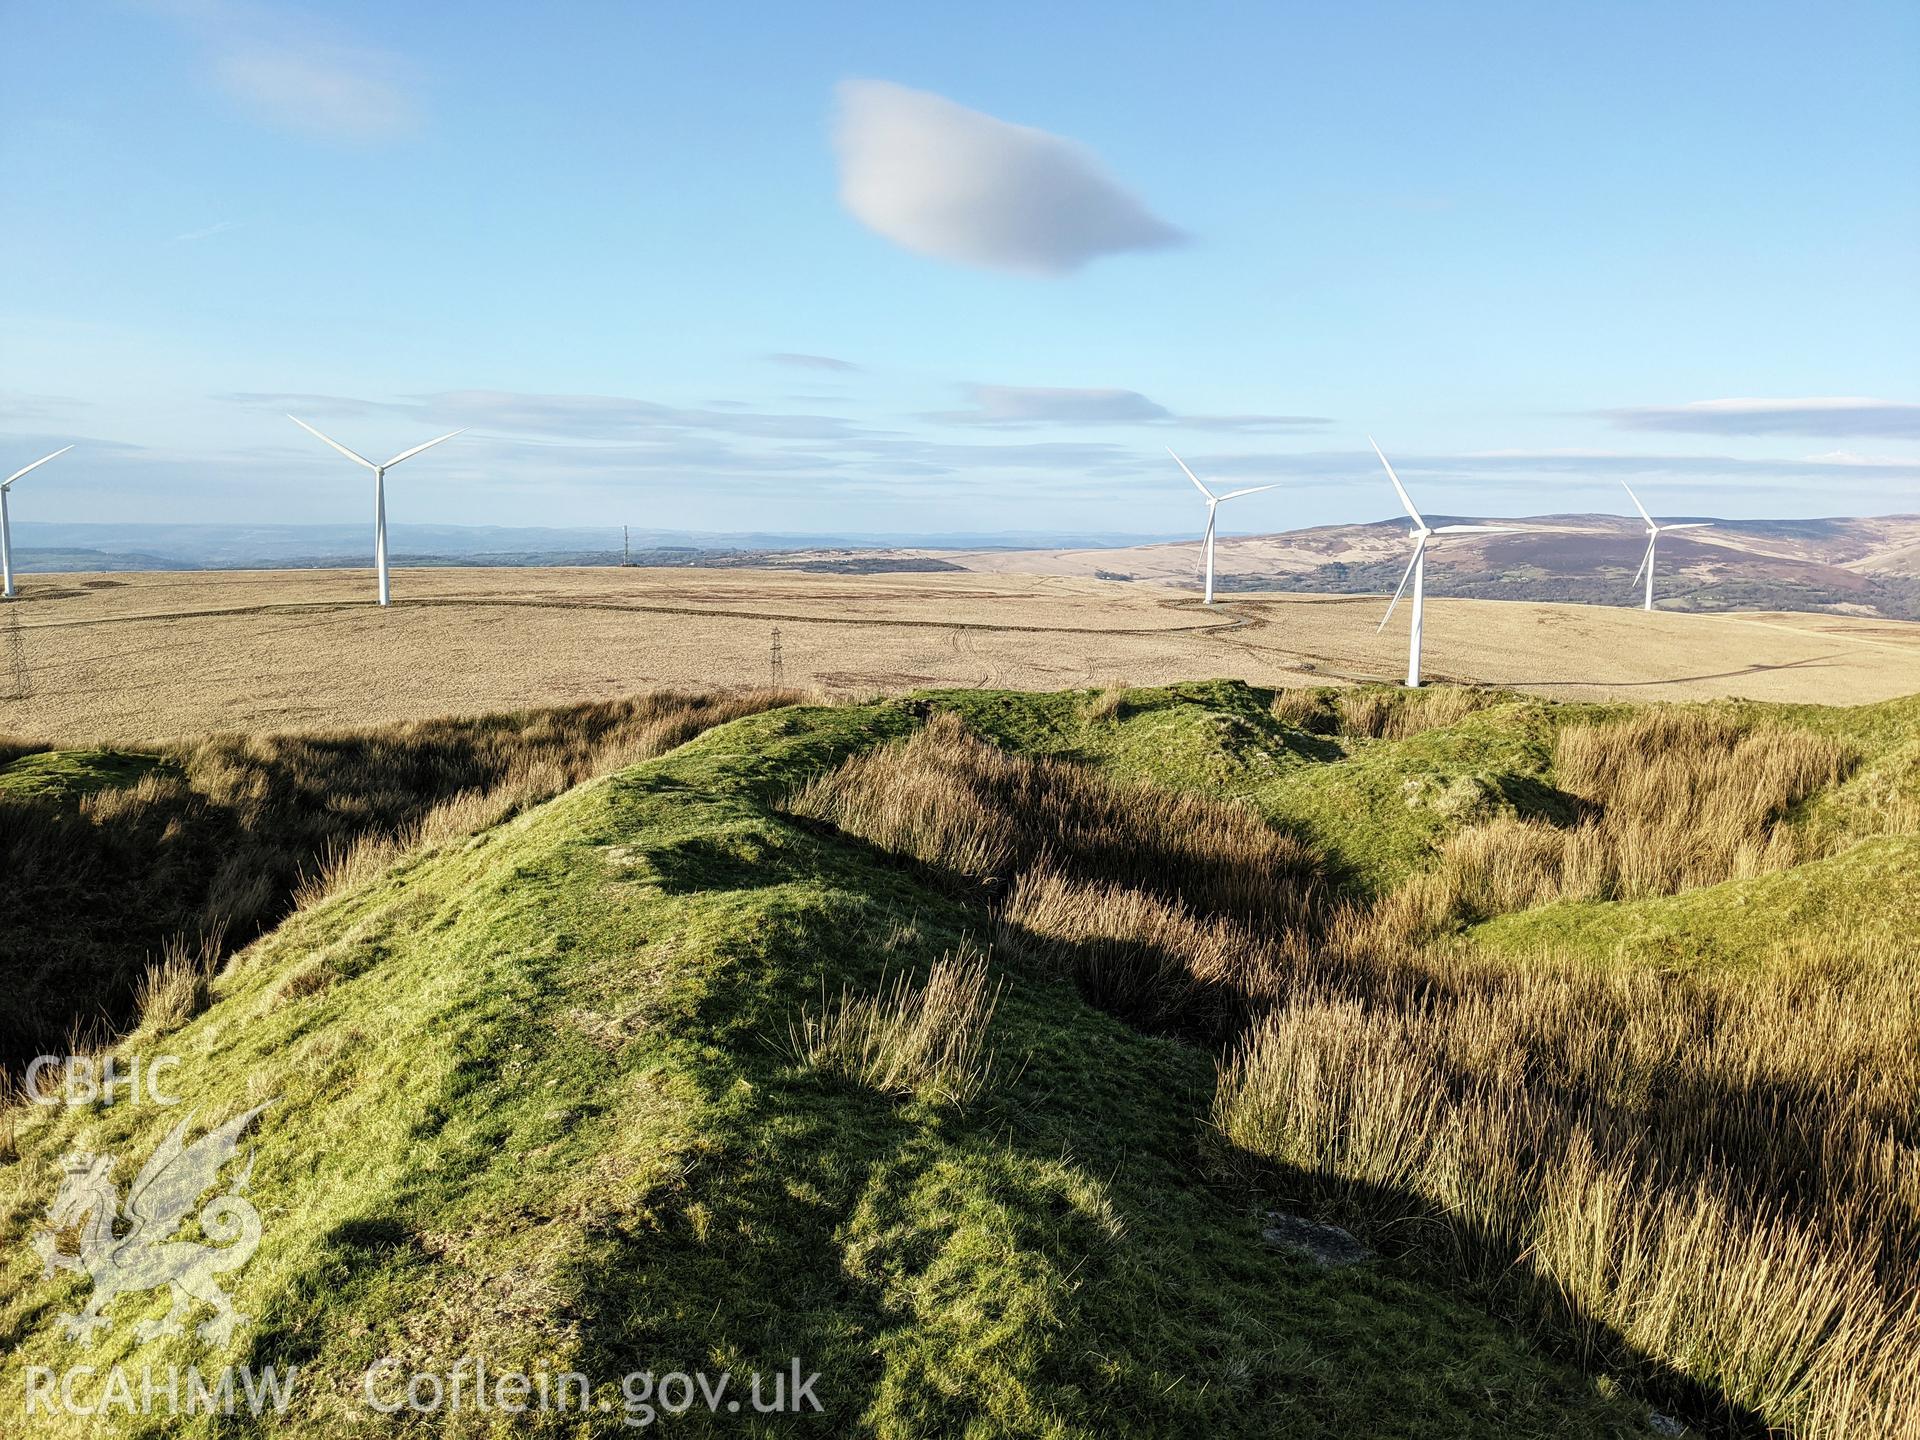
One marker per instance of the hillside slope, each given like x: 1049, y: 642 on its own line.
x: 545, y: 1092
x: 1866, y: 565
x: 527, y: 1097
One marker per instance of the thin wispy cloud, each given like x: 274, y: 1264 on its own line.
x: 812, y: 362
x: 1523, y: 468
x: 941, y: 180
x: 206, y: 233
x: 334, y: 92
x: 20, y: 405
x: 582, y: 417
x: 1036, y: 405
x: 1818, y: 415
x: 299, y: 73
x: 1017, y: 406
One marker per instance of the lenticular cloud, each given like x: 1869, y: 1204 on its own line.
x: 946, y: 181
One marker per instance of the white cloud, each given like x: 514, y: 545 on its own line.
x: 326, y: 90
x: 949, y: 182
x: 1814, y: 415
x: 293, y: 70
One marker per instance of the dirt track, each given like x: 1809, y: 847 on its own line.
x: 139, y: 656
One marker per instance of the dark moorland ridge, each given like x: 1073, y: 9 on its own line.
x: 974, y: 1045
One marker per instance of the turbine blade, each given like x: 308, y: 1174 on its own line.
x: 1405, y: 576
x: 1636, y: 502
x: 1250, y: 490
x: 34, y: 466
x: 1643, y: 564
x: 1689, y: 525
x: 409, y: 454
x: 1191, y: 476
x: 1398, y: 488
x: 357, y: 459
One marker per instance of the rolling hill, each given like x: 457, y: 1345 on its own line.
x: 1867, y: 566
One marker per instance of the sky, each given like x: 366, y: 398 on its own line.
x: 958, y: 267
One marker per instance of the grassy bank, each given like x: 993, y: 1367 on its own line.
x: 961, y: 1045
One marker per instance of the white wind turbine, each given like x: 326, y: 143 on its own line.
x: 6, y: 525
x: 1654, y: 532
x: 1417, y: 567
x: 1213, y: 504
x: 379, y: 491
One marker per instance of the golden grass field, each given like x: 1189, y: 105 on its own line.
x: 150, y: 655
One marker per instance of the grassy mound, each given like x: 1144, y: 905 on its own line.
x: 958, y: 1046
x: 530, y: 1098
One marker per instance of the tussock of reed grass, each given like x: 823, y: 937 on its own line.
x: 1401, y: 714
x: 175, y: 989
x: 1710, y: 1176
x: 1722, y: 1174
x: 1674, y: 801
x: 950, y: 799
x: 927, y: 1040
x: 1151, y: 960
x: 1307, y: 709
x: 1107, y: 704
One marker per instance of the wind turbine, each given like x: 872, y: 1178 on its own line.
x: 379, y: 491
x: 6, y: 525
x: 1417, y: 566
x: 1213, y: 504
x: 1654, y: 532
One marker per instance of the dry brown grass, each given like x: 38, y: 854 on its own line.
x: 1673, y: 801
x: 927, y: 1040
x: 1305, y: 708
x: 158, y: 655
x: 174, y: 990
x: 1721, y: 1175
x: 1714, y: 1177
x: 1400, y: 714
x: 956, y: 802
x: 1107, y: 704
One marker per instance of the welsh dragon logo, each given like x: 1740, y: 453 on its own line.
x: 144, y: 1255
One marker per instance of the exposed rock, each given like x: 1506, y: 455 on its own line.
x: 1328, y: 1244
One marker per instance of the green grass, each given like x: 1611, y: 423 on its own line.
x: 1870, y: 890
x: 65, y: 775
x: 531, y: 1099
x: 528, y: 1102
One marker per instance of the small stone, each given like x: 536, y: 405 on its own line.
x: 1664, y: 1424
x: 1328, y: 1244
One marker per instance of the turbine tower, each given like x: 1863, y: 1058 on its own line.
x: 6, y: 525
x: 1654, y: 532
x: 1213, y: 504
x: 1417, y: 566
x: 379, y: 492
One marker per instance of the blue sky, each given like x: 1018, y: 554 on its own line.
x: 793, y: 267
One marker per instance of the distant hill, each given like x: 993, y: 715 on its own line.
x: 1867, y: 566
x: 1864, y: 566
